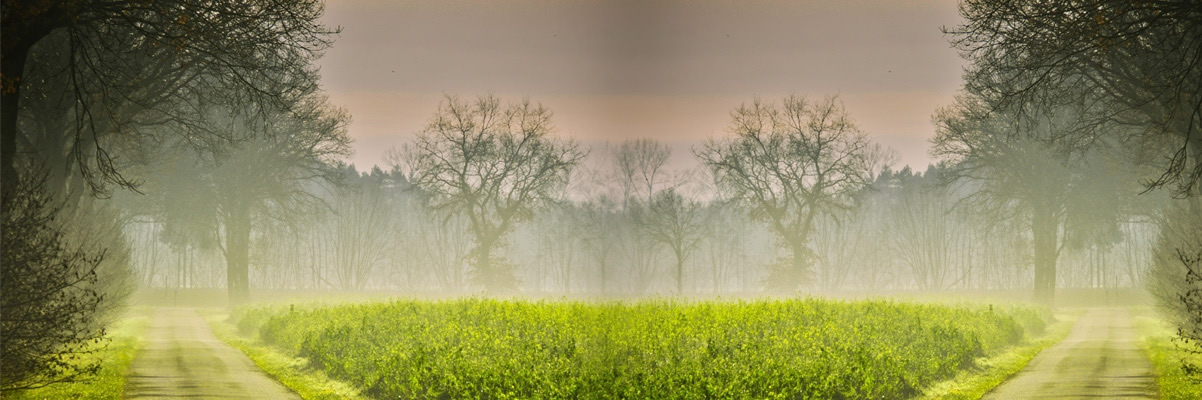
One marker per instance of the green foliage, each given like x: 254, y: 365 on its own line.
x: 113, y: 360
x: 988, y: 373
x: 477, y: 348
x: 293, y: 372
x: 1167, y: 358
x: 1176, y: 277
x: 50, y: 297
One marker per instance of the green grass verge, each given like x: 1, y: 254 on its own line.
x: 125, y: 340
x: 989, y: 372
x: 294, y: 372
x: 1166, y: 359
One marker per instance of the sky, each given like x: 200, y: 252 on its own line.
x: 616, y: 70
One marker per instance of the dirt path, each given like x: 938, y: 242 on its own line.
x: 182, y: 359
x: 1100, y: 358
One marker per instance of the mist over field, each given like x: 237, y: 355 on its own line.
x: 601, y: 199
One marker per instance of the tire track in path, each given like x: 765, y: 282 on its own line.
x: 180, y: 358
x: 1100, y: 359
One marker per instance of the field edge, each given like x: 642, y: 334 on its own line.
x: 293, y: 372
x: 1157, y: 339
x: 989, y: 372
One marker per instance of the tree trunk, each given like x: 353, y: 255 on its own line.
x: 604, y: 278
x: 1044, y: 238
x: 237, y: 255
x: 567, y: 279
x: 484, y: 270
x: 11, y: 70
x: 800, y: 265
x: 679, y: 274
x: 20, y: 36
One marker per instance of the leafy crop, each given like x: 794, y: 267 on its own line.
x: 478, y: 348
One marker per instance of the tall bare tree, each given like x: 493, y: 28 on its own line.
x: 676, y: 222
x: 494, y: 164
x: 789, y: 163
x: 600, y: 239
x: 925, y: 232
x: 359, y: 231
x: 642, y: 168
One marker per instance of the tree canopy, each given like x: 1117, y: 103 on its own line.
x: 1135, y: 63
x: 126, y: 64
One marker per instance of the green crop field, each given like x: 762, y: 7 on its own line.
x: 476, y: 348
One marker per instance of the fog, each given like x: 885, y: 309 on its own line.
x: 619, y: 79
x: 902, y: 230
x: 602, y: 199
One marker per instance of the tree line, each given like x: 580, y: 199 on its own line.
x: 795, y: 198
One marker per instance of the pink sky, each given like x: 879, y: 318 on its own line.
x: 669, y: 70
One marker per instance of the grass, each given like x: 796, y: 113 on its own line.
x: 293, y: 372
x: 1166, y: 359
x: 989, y: 372
x: 646, y: 349
x: 125, y: 340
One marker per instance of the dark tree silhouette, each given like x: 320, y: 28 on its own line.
x: 265, y: 171
x: 790, y: 163
x: 121, y: 58
x: 266, y: 167
x: 1030, y: 173
x: 494, y: 164
x: 50, y: 299
x: 675, y: 222
x: 1139, y: 60
x: 1190, y: 331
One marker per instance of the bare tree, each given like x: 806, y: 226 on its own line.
x: 600, y: 239
x: 359, y: 231
x: 676, y: 222
x: 492, y: 164
x: 924, y: 231
x: 642, y: 167
x: 1021, y: 176
x: 641, y: 171
x: 790, y: 163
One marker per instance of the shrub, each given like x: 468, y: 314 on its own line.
x: 50, y: 300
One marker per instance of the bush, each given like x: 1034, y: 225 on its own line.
x: 50, y: 299
x: 1176, y: 277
